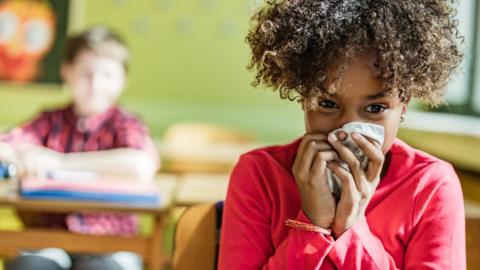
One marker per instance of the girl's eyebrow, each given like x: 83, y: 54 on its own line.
x: 379, y: 95
x: 370, y: 97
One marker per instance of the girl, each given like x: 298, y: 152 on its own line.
x: 348, y: 61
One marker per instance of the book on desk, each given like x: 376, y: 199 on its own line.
x: 88, y: 186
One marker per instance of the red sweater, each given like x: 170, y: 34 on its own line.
x: 415, y: 219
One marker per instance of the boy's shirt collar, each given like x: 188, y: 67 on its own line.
x: 89, y: 124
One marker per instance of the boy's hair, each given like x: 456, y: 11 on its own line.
x: 415, y: 44
x: 100, y: 40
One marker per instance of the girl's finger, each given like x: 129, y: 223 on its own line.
x: 320, y: 163
x: 347, y: 156
x: 348, y: 184
x: 374, y: 153
x: 303, y: 162
x: 310, y: 137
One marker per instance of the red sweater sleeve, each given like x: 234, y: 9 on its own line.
x: 438, y: 231
x: 359, y: 248
x: 246, y: 229
x: 438, y: 241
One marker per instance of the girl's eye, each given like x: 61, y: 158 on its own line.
x: 327, y: 104
x: 376, y: 108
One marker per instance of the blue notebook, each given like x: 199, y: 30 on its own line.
x: 97, y: 189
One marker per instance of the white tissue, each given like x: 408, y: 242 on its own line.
x: 372, y: 131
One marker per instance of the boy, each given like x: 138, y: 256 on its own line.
x: 91, y: 133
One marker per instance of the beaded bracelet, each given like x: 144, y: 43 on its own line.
x: 307, y: 227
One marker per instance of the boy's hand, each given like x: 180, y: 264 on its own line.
x: 8, y: 153
x: 37, y: 161
x: 318, y: 203
x: 358, y: 186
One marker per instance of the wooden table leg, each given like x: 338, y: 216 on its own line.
x: 157, y: 256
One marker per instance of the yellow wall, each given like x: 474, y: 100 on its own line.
x: 189, y: 60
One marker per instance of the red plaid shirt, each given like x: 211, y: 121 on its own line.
x: 61, y: 130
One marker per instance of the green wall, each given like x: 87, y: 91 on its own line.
x: 189, y: 59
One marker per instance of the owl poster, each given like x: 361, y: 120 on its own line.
x: 32, y: 33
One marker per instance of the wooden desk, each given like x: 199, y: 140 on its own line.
x: 460, y: 150
x: 196, y: 188
x: 150, y: 248
x: 203, y: 158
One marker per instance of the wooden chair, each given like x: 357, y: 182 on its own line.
x: 197, y: 237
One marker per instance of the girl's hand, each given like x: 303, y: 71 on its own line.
x: 318, y: 203
x: 359, y: 185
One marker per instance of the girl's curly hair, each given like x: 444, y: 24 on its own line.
x: 415, y: 43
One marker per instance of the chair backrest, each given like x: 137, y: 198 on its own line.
x: 197, y: 237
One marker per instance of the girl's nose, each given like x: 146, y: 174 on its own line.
x: 348, y: 117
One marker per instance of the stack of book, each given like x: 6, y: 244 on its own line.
x: 87, y: 186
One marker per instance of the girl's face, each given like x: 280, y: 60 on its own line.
x: 359, y: 97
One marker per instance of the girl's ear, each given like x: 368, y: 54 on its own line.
x: 405, y: 105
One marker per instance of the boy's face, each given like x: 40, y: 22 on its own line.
x: 96, y: 82
x: 359, y: 97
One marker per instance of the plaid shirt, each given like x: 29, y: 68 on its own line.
x: 61, y: 130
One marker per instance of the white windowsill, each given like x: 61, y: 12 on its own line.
x: 443, y: 123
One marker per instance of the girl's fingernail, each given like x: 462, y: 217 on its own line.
x: 332, y: 137
x: 355, y: 135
